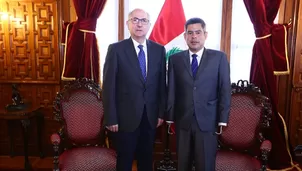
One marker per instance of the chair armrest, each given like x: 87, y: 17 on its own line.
x: 55, y: 139
x: 265, y: 148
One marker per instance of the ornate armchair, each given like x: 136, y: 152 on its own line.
x: 80, y: 143
x: 242, y: 145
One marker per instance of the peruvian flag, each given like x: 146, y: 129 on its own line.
x: 168, y: 29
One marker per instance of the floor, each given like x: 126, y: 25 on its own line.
x: 17, y: 163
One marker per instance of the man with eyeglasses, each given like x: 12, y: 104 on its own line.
x: 199, y: 97
x: 134, y: 83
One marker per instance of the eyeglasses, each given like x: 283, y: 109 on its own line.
x: 135, y: 20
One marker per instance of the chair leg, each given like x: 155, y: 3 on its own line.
x: 263, y: 168
x: 264, y: 157
x: 56, y: 158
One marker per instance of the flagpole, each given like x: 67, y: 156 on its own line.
x: 166, y: 164
x: 167, y: 28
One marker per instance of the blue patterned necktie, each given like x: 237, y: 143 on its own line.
x: 194, y: 65
x: 142, y: 61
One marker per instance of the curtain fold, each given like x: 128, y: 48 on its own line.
x: 81, y: 57
x: 269, y: 59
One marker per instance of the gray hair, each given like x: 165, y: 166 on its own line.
x: 138, y: 9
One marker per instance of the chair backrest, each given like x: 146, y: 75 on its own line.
x: 79, y: 107
x: 250, y: 113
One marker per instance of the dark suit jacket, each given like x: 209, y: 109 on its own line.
x: 208, y: 95
x: 125, y: 93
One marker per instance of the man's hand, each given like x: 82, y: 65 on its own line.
x: 159, y: 122
x: 169, y: 122
x: 219, y: 131
x: 113, y: 128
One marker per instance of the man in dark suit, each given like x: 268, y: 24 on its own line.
x: 199, y: 96
x: 134, y: 84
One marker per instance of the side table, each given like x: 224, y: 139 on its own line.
x: 24, y: 116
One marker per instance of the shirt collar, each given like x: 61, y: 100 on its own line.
x: 199, y: 53
x: 135, y: 43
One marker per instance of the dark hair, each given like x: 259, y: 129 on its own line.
x: 195, y: 21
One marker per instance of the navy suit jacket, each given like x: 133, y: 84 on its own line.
x: 125, y: 93
x: 207, y: 96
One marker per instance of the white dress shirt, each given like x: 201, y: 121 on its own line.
x: 199, y: 56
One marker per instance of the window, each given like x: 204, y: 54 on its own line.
x: 242, y: 31
x: 152, y: 7
x: 242, y: 42
x: 211, y: 13
x: 107, y: 30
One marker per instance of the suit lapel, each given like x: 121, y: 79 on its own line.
x: 132, y: 56
x: 151, y: 61
x: 203, y: 63
x: 187, y: 62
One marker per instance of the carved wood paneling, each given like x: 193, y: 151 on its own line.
x: 297, y: 78
x: 295, y: 125
x: 288, y: 11
x: 296, y: 121
x: 30, y: 56
x: 72, y: 12
x: 38, y: 94
x: 29, y: 41
x: 298, y: 65
x: 50, y: 127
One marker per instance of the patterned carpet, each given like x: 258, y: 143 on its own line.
x: 17, y: 164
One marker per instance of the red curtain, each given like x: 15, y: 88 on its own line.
x: 66, y: 27
x: 269, y: 59
x: 82, y: 55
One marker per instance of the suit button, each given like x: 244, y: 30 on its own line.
x: 194, y: 88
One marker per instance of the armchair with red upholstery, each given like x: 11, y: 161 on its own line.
x: 80, y: 143
x: 242, y: 144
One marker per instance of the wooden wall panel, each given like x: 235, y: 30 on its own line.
x: 30, y: 57
x: 287, y: 12
x: 295, y: 126
x: 297, y: 81
x: 39, y: 94
x: 296, y: 121
x: 290, y: 86
x: 29, y: 41
x: 226, y: 25
x: 72, y: 13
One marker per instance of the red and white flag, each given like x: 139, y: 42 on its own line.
x: 168, y: 29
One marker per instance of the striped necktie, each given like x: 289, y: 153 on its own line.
x: 142, y: 61
x: 194, y: 65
